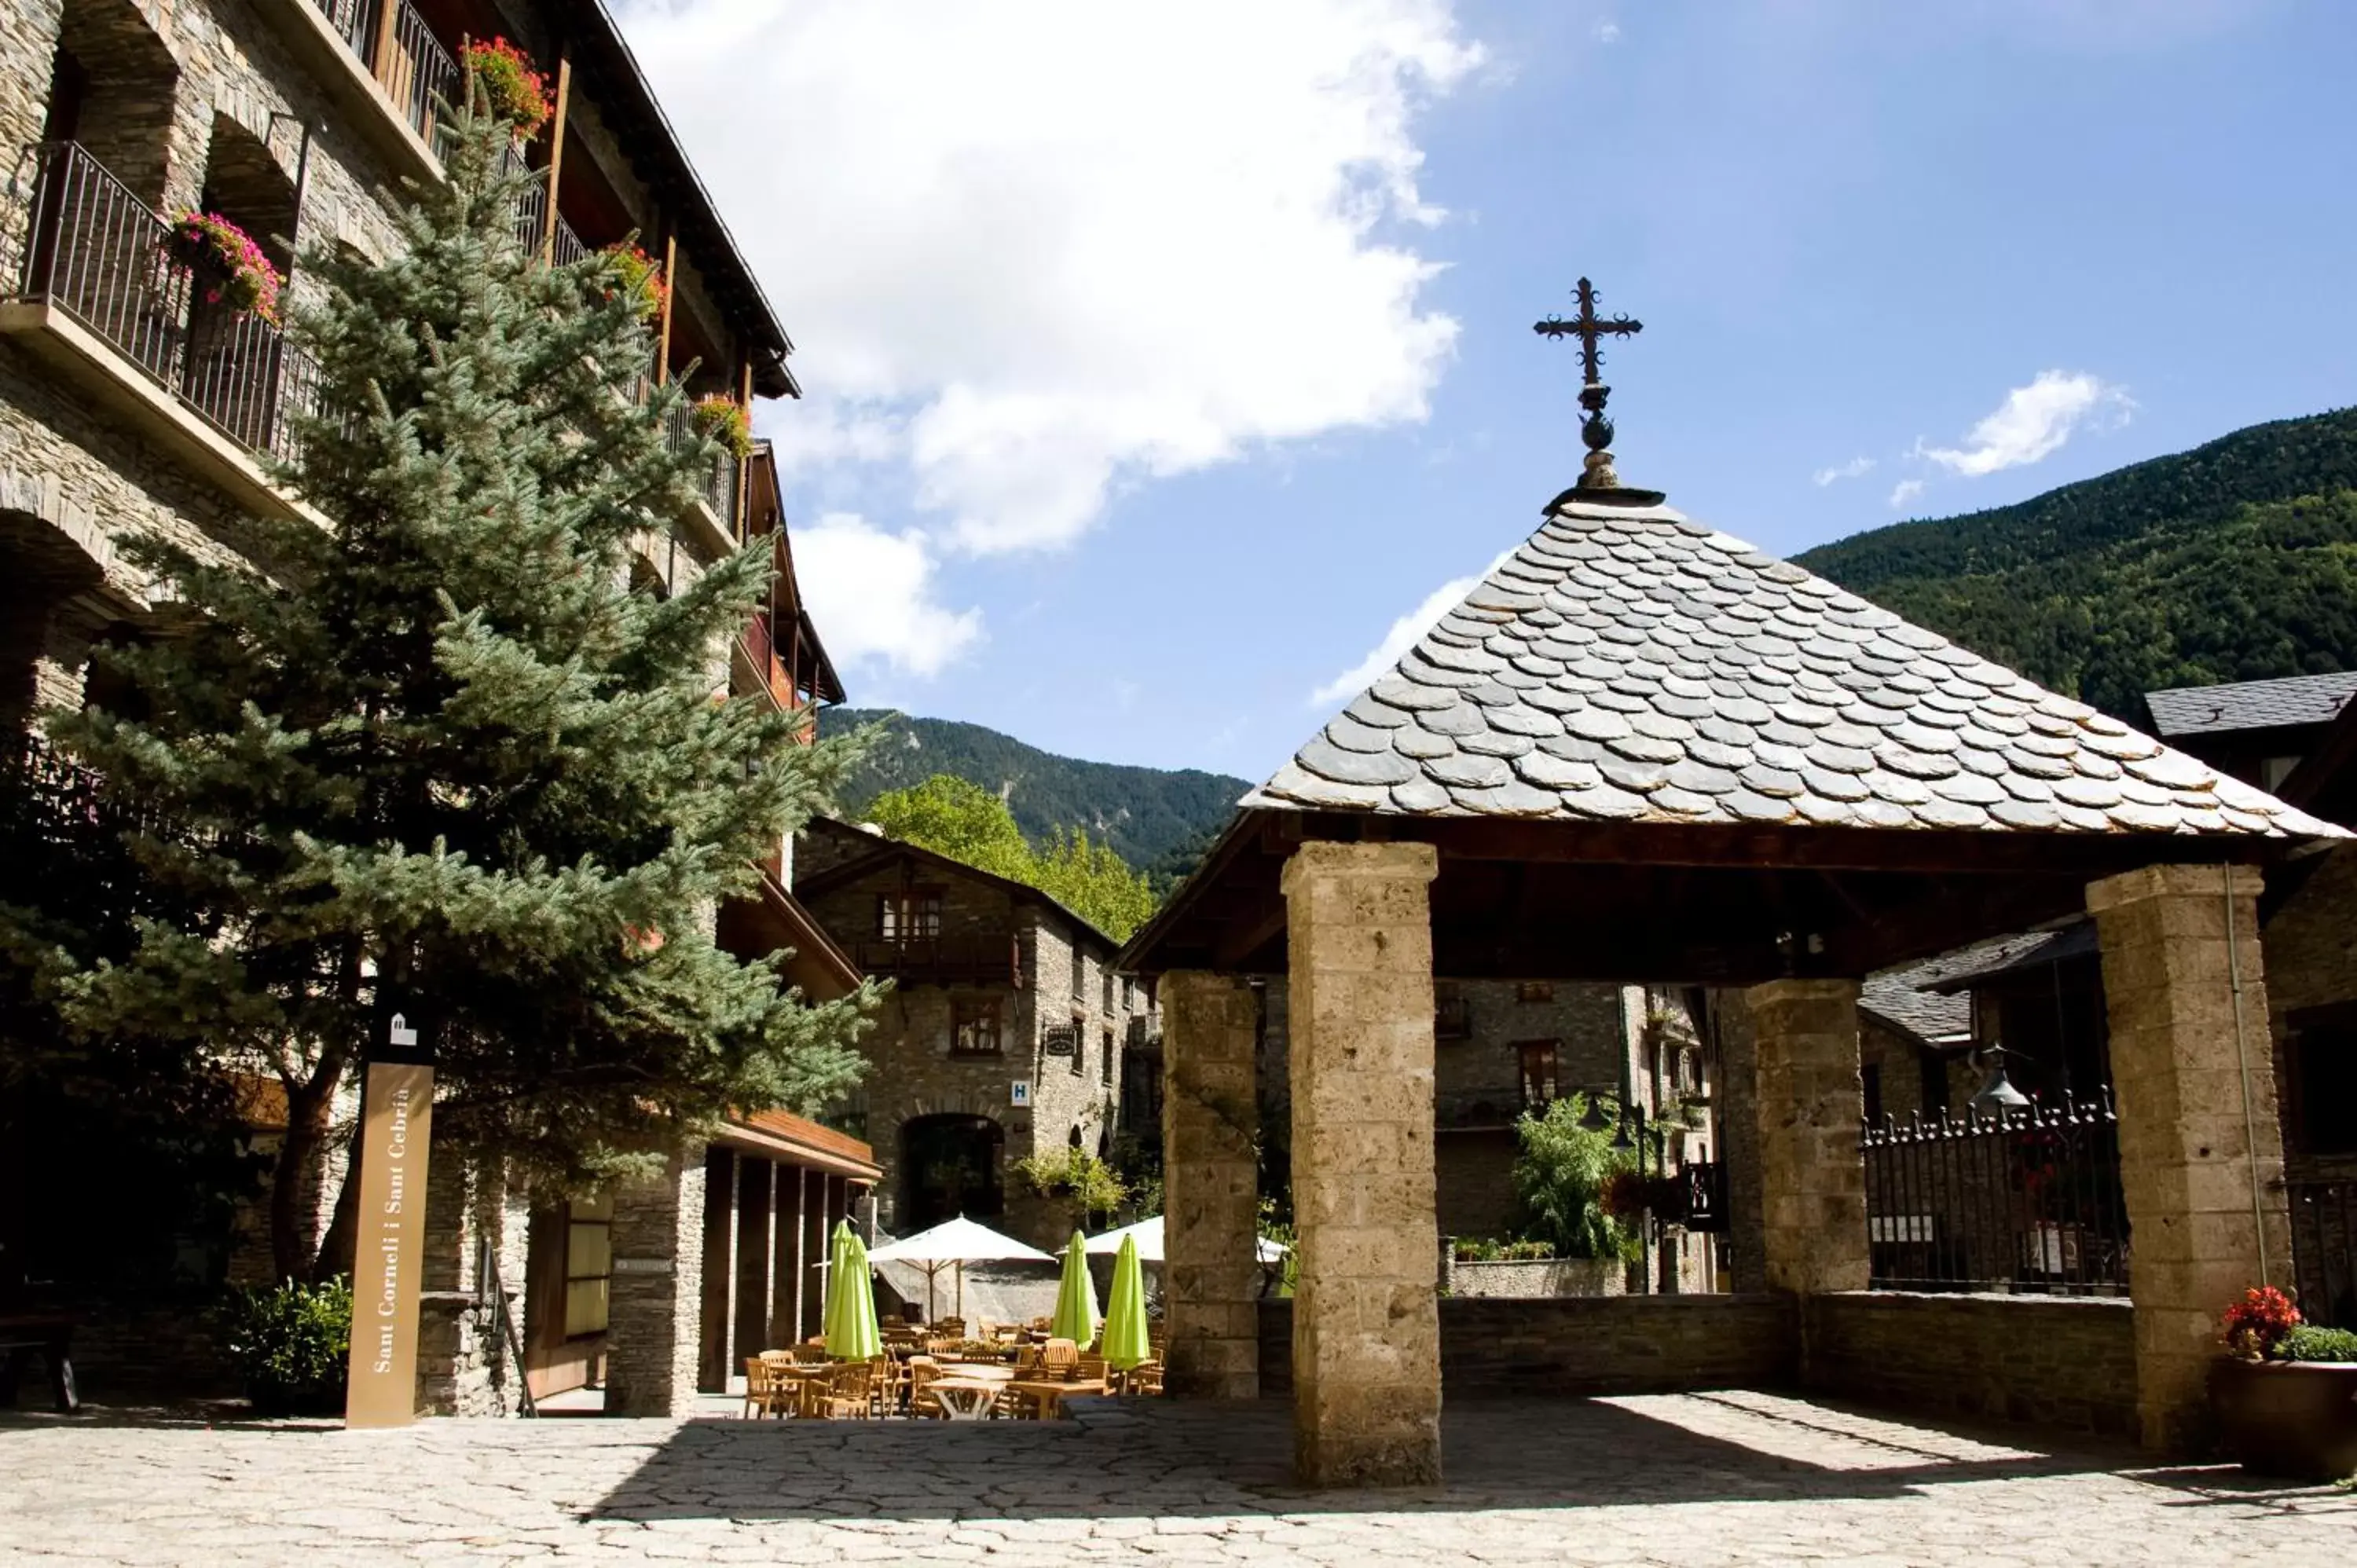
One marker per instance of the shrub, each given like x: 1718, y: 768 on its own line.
x: 727, y: 421
x: 518, y: 93
x: 2253, y: 1325
x: 1560, y: 1175
x: 2314, y: 1342
x: 289, y: 1343
x: 1081, y: 1178
x: 226, y: 262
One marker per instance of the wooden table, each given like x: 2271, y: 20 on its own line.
x: 1049, y: 1394
x: 965, y: 1399
x: 51, y: 1334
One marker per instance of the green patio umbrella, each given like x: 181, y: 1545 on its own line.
x: 1076, y: 1296
x: 850, y: 1320
x: 1125, y: 1325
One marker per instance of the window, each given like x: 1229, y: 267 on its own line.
x: 1080, y: 974
x: 973, y: 1027
x: 1535, y: 990
x: 589, y: 1265
x: 1079, y: 1046
x: 1452, y: 1016
x: 1537, y: 1061
x: 1108, y: 991
x: 1108, y: 1055
x: 912, y: 915
x: 2321, y: 1050
x: 1129, y: 994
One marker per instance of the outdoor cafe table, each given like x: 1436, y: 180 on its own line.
x: 1049, y: 1395
x: 967, y: 1393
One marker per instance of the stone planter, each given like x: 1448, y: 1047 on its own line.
x: 2296, y: 1419
x: 1528, y: 1278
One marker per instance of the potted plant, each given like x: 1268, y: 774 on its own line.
x: 517, y: 93
x: 639, y: 278
x: 290, y: 1343
x: 225, y: 263
x: 2285, y: 1394
x: 727, y: 421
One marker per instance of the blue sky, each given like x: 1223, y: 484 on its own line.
x: 1161, y: 362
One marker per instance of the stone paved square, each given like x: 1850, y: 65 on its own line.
x: 1732, y: 1478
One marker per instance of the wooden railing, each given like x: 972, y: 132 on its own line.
x: 941, y: 960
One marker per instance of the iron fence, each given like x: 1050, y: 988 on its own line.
x: 2025, y: 1202
x: 568, y: 248
x: 353, y: 20
x: 98, y: 252
x: 2324, y: 1248
x: 421, y: 77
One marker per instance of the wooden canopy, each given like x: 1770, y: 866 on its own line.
x: 1647, y: 752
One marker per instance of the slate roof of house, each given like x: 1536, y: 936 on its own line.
x: 1628, y: 664
x: 2251, y: 705
x: 1929, y: 1016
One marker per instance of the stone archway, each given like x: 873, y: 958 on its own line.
x: 951, y: 1165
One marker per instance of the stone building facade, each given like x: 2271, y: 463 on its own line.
x: 1004, y: 1038
x: 1505, y: 1047
x: 131, y: 406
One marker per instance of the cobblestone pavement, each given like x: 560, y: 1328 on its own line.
x: 1685, y: 1479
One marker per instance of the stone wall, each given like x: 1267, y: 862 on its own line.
x: 464, y: 1366
x: 1570, y: 1345
x: 2052, y: 1360
x: 1526, y: 1279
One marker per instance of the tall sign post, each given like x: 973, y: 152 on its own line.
x: 396, y: 1131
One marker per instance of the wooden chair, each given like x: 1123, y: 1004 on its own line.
x: 1090, y: 1369
x: 810, y: 1355
x: 1146, y: 1378
x: 1059, y: 1359
x: 922, y: 1370
x: 1026, y: 1358
x: 766, y: 1392
x: 949, y: 1327
x: 846, y: 1394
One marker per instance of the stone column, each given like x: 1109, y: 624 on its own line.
x: 1211, y: 1189
x: 1810, y: 1104
x: 1366, y: 1320
x: 656, y: 1299
x: 2201, y: 1150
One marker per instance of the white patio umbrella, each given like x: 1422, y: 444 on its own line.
x: 957, y: 1241
x: 1148, y: 1233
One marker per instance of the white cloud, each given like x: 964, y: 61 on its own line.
x: 871, y: 594
x: 1608, y: 31
x: 1405, y: 634
x: 1849, y: 470
x: 2032, y: 423
x: 1033, y: 255
x: 1905, y: 490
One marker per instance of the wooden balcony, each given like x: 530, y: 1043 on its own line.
x: 941, y: 960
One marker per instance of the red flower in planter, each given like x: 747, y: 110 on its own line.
x: 2254, y: 1324
x: 518, y: 93
x: 226, y: 262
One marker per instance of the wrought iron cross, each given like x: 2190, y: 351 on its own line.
x: 1587, y: 326
x: 1595, y: 430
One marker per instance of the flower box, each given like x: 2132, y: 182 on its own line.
x: 515, y: 91
x: 2294, y: 1419
x: 227, y: 266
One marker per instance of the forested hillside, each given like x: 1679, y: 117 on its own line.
x: 2233, y: 562
x: 1151, y: 816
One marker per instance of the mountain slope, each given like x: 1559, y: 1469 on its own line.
x: 1149, y: 815
x: 2237, y: 560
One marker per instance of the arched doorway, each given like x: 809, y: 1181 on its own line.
x: 949, y: 1167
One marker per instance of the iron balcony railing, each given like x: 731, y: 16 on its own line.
x: 717, y: 484
x: 568, y: 248
x: 416, y: 70
x: 354, y: 22
x: 2324, y: 1248
x: 96, y: 252
x: 2025, y: 1202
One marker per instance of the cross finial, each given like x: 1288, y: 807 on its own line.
x: 1595, y: 430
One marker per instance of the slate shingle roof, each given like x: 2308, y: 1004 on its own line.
x: 1628, y: 665
x: 2250, y: 704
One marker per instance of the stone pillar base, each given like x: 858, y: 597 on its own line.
x: 1809, y: 1106
x: 1366, y: 1323
x: 654, y: 1308
x: 2200, y: 1149
x: 1210, y: 1187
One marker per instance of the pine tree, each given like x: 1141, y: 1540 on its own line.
x: 444, y: 748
